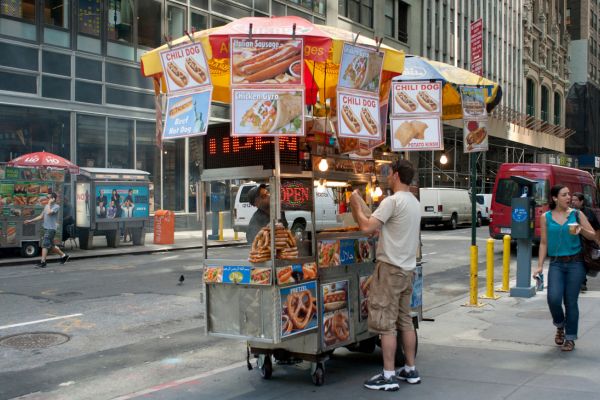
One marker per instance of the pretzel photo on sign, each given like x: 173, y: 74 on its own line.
x: 300, y: 308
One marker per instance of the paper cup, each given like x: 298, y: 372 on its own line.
x: 573, y: 228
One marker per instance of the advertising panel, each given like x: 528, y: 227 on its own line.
x: 409, y: 134
x: 360, y: 68
x: 298, y: 308
x: 477, y: 47
x: 185, y: 68
x: 358, y: 115
x: 121, y: 201
x: 475, y: 134
x: 416, y: 98
x: 82, y: 205
x: 187, y: 114
x: 336, y: 315
x: 273, y: 112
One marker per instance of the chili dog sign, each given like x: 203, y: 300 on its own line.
x: 358, y: 115
x: 411, y: 98
x: 187, y: 114
x: 185, y: 68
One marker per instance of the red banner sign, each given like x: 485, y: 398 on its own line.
x: 477, y: 47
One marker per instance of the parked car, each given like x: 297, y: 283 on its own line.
x: 484, y: 205
x: 447, y: 206
x: 326, y: 211
x: 546, y: 176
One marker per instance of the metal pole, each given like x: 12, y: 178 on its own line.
x: 473, y: 199
x: 432, y: 161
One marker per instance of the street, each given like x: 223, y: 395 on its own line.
x: 130, y: 325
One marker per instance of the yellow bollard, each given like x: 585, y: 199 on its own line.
x: 505, y: 264
x: 235, y: 235
x: 221, y: 226
x: 473, y: 302
x: 489, y: 279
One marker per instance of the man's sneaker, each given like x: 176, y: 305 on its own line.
x: 41, y: 264
x: 64, y: 259
x: 411, y: 377
x: 378, y: 382
x: 583, y: 287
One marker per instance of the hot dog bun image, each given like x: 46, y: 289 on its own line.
x: 477, y: 136
x: 181, y: 107
x: 405, y: 101
x: 176, y: 74
x: 195, y: 70
x: 426, y: 101
x: 368, y: 121
x: 350, y: 119
x: 266, y: 64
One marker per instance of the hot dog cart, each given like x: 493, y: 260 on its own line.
x: 24, y: 193
x: 308, y: 297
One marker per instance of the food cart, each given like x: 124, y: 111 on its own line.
x: 111, y: 202
x: 24, y: 192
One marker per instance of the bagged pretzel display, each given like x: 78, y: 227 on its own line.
x: 285, y: 245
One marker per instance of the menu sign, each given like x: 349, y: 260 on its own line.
x: 187, y: 114
x: 416, y: 116
x: 475, y: 134
x: 358, y: 115
x: 296, y: 273
x: 275, y: 112
x: 364, y: 282
x: 185, y: 68
x: 336, y: 316
x: 232, y: 274
x: 298, y: 313
x: 477, y: 47
x: 360, y: 68
x: 296, y: 194
x: 268, y: 61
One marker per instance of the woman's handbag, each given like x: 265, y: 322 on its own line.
x: 591, y: 255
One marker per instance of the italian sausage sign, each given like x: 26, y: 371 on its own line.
x: 185, y: 68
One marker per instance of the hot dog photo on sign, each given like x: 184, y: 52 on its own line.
x: 475, y: 135
x: 298, y: 308
x: 416, y: 98
x: 185, y: 68
x: 271, y: 112
x: 273, y: 61
x: 358, y: 116
x: 187, y: 115
x: 360, y: 68
x: 416, y: 134
x: 336, y: 323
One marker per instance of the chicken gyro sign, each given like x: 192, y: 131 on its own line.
x: 267, y: 92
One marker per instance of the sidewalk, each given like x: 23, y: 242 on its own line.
x: 183, y: 240
x: 504, y: 350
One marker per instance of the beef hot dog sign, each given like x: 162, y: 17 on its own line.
x: 185, y: 68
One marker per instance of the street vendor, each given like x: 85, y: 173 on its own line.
x: 260, y: 198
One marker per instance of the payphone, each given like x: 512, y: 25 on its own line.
x: 522, y: 229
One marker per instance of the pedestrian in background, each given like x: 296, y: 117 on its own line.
x: 50, y: 225
x: 578, y: 202
x: 560, y: 241
x: 397, y: 218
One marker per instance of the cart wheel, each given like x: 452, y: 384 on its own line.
x: 29, y: 249
x: 318, y: 376
x: 265, y: 366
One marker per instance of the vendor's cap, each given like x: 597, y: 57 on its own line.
x: 254, y: 193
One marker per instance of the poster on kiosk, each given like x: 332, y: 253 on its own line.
x: 189, y: 91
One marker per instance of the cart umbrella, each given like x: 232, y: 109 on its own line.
x: 419, y: 69
x: 322, y: 53
x: 44, y: 159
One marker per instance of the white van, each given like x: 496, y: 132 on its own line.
x: 484, y: 205
x: 447, y: 206
x: 325, y: 206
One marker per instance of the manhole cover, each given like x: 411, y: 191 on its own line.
x: 33, y: 340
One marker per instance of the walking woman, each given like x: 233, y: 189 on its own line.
x: 560, y: 241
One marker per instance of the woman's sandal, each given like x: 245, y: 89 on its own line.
x: 559, y: 338
x: 569, y: 345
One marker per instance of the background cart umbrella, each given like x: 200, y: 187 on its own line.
x: 44, y: 159
x: 419, y: 68
x: 322, y: 52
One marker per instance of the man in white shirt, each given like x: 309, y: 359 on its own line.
x: 398, y: 218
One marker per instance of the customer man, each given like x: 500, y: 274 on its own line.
x: 398, y: 217
x: 260, y: 198
x: 578, y: 202
x: 50, y: 224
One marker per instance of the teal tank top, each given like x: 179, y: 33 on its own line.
x: 560, y: 241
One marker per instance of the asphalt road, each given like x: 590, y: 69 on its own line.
x: 130, y: 325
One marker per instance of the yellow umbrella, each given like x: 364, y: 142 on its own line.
x: 322, y: 53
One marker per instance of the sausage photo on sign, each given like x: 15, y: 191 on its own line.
x: 195, y: 70
x: 176, y: 74
x: 426, y: 101
x: 368, y: 121
x: 405, y: 101
x: 265, y: 65
x: 181, y: 107
x: 350, y: 119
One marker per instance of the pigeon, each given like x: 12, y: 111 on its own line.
x: 181, y: 279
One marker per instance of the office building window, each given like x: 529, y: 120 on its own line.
x: 27, y: 130
x: 91, y: 141
x: 173, y: 175
x: 390, y: 18
x: 200, y: 3
x: 199, y: 21
x: 149, y: 32
x: 148, y: 158
x: 56, y: 13
x: 530, y: 98
x: 544, y: 105
x: 120, y: 21
x: 90, y: 17
x: 22, y: 9
x: 557, y: 108
x: 403, y: 10
x: 360, y: 11
x: 120, y: 143
x: 175, y: 21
